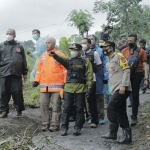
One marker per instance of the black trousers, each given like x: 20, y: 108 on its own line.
x: 69, y: 101
x: 135, y: 83
x: 116, y: 110
x: 11, y: 86
x: 93, y: 105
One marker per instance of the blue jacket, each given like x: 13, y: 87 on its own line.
x: 101, y: 74
x: 40, y: 48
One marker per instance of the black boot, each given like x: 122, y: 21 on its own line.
x: 134, y: 120
x: 113, y: 129
x: 127, y: 136
x: 77, y: 132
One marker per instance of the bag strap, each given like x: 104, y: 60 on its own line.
x: 137, y: 51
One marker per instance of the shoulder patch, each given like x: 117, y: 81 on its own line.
x: 123, y: 62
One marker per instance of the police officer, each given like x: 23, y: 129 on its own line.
x: 119, y: 75
x: 78, y: 82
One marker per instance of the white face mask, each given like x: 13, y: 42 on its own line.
x: 84, y: 47
x: 100, y: 44
x: 9, y: 37
x: 92, y: 42
x: 74, y: 54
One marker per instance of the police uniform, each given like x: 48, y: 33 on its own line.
x: 119, y: 75
x: 79, y: 78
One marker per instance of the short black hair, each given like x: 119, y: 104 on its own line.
x: 143, y: 41
x: 108, y: 27
x: 93, y: 36
x: 38, y: 31
x: 112, y: 44
x: 133, y: 35
x: 88, y: 40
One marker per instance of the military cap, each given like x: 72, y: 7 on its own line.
x: 76, y: 46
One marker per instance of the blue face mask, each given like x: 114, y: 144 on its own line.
x: 35, y: 36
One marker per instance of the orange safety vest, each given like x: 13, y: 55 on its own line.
x: 49, y: 73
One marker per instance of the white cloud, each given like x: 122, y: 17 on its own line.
x: 26, y: 15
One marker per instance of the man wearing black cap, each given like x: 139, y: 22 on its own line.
x: 119, y: 75
x: 78, y: 82
x: 105, y: 35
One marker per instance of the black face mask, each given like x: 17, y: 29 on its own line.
x: 105, y: 52
x: 131, y: 45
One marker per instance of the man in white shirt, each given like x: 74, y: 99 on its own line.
x: 93, y: 56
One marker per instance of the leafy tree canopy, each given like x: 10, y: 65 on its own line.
x: 125, y: 16
x: 64, y: 45
x: 82, y: 20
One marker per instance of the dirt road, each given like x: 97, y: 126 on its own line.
x: 90, y: 139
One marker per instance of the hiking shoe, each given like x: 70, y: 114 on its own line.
x: 64, y: 132
x: 101, y: 121
x: 45, y: 127
x: 93, y: 125
x: 4, y: 114
x: 134, y: 120
x: 19, y: 113
x: 54, y: 128
x: 77, y: 132
x: 89, y: 122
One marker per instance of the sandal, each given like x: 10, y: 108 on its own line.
x: 54, y: 128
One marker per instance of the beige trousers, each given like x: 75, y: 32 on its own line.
x: 56, y: 108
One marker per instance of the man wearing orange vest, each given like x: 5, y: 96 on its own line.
x: 51, y: 76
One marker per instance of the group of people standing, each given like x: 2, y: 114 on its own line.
x: 82, y: 78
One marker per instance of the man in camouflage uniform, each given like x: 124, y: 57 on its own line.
x: 119, y: 75
x: 78, y: 82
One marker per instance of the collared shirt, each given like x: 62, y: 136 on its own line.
x: 141, y: 58
x: 117, y: 76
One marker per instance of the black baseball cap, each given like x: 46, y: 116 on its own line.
x: 108, y: 43
x: 108, y: 27
x: 76, y: 46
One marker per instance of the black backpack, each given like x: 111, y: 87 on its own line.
x: 133, y: 60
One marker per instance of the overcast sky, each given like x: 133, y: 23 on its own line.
x: 46, y: 15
